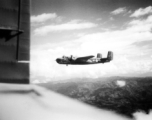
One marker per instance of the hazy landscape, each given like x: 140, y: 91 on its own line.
x: 124, y: 95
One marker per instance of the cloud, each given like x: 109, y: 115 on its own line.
x: 43, y: 60
x: 141, y: 25
x: 111, y: 18
x: 121, y: 83
x: 72, y: 25
x: 43, y: 17
x: 119, y: 11
x: 141, y: 21
x: 99, y: 19
x: 142, y: 116
x: 121, y: 42
x: 36, y: 81
x: 142, y: 11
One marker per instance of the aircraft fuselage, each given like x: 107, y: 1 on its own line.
x: 82, y: 62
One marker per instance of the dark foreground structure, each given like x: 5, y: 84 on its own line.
x: 14, y: 41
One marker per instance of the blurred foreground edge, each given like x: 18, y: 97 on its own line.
x: 30, y: 102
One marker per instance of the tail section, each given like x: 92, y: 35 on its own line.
x: 110, y: 56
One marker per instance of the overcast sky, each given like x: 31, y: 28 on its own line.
x: 88, y: 27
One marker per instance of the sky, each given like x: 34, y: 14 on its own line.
x: 88, y: 27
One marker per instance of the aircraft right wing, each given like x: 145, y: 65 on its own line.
x: 84, y: 58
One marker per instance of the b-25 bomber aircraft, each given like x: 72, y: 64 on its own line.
x: 85, y: 60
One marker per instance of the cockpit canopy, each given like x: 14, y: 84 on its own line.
x: 68, y: 57
x: 65, y: 57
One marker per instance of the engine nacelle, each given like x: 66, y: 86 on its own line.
x: 99, y: 55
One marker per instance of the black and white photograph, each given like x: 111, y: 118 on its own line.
x: 76, y: 60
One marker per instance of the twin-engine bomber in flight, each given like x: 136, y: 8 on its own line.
x: 85, y: 60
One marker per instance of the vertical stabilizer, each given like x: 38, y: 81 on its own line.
x: 110, y: 55
x: 99, y: 55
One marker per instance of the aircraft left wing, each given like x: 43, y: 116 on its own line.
x: 84, y: 58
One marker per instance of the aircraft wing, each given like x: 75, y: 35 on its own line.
x: 31, y: 102
x: 84, y: 58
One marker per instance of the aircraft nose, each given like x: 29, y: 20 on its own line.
x: 58, y: 60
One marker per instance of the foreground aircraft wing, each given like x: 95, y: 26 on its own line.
x: 84, y: 58
x: 31, y: 102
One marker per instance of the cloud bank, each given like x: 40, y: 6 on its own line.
x: 129, y: 58
x: 119, y: 11
x: 141, y: 12
x: 43, y: 17
x: 72, y: 25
